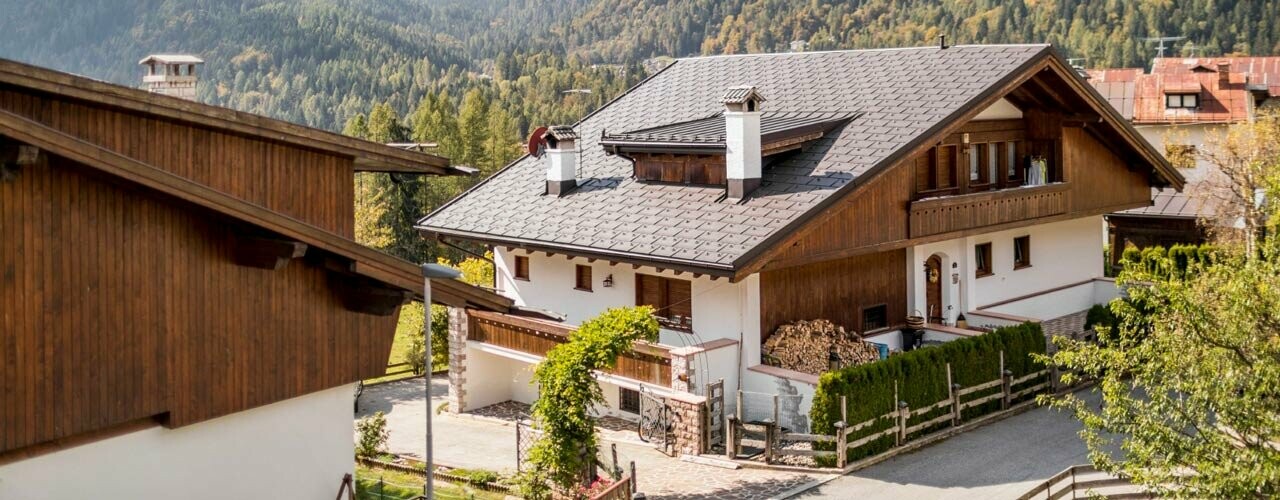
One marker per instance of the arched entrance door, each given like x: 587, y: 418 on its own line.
x: 933, y: 288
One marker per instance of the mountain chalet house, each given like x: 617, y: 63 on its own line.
x: 183, y: 312
x: 739, y: 193
x: 1177, y: 106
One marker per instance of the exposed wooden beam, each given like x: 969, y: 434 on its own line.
x: 369, y: 297
x: 266, y: 253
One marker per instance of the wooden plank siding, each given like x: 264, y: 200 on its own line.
x: 877, y: 215
x: 648, y: 363
x: 309, y: 185
x: 989, y: 208
x: 121, y: 304
x: 835, y: 290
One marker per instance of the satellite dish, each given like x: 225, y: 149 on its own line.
x: 536, y: 143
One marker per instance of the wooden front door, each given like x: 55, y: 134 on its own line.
x: 933, y: 289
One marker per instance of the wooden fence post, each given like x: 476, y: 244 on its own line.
x: 633, y: 477
x: 776, y: 421
x: 1004, y: 384
x: 842, y: 440
x: 897, y: 436
x: 770, y: 436
x: 616, y: 467
x: 904, y: 414
x: 953, y: 392
x: 1053, y: 379
x: 844, y: 406
x: 738, y: 411
x: 731, y: 437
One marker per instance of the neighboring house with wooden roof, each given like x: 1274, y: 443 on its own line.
x: 869, y: 184
x: 182, y: 307
x: 1177, y: 107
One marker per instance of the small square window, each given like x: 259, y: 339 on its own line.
x: 1181, y: 101
x: 1021, y: 252
x: 875, y: 317
x: 582, y: 278
x: 628, y: 400
x: 982, y: 260
x: 522, y: 268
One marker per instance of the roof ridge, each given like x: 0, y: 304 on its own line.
x: 882, y: 49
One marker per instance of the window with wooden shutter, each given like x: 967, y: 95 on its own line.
x: 672, y: 300
x: 582, y: 278
x: 1021, y: 252
x: 982, y: 258
x: 522, y: 268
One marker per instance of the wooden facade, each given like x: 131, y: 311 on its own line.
x: 681, y: 168
x: 173, y: 269
x: 836, y: 290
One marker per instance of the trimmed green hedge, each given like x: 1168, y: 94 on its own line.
x: 922, y: 380
x: 1173, y: 262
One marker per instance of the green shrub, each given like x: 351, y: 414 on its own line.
x: 373, y: 435
x: 1099, y: 315
x: 921, y: 380
x: 1131, y: 255
x: 476, y: 475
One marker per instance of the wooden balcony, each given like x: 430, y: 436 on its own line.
x: 649, y: 363
x: 989, y: 208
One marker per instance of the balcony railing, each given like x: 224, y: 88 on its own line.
x: 646, y: 362
x: 989, y: 208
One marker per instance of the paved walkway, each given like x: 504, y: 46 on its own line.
x: 1000, y: 460
x: 463, y: 441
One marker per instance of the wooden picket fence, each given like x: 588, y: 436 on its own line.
x: 777, y: 443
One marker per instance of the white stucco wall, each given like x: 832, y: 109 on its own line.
x: 718, y: 305
x: 298, y: 448
x: 1062, y: 253
x: 1194, y: 134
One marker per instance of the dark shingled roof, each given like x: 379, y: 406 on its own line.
x: 901, y: 94
x: 739, y: 94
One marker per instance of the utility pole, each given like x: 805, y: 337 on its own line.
x: 430, y: 272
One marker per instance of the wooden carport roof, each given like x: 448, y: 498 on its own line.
x: 368, y: 156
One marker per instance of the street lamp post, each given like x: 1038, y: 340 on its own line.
x: 430, y: 272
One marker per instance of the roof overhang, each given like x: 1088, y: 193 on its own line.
x: 354, y: 258
x: 368, y: 156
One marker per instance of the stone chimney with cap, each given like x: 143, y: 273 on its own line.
x: 742, y: 139
x: 171, y: 74
x: 561, y: 158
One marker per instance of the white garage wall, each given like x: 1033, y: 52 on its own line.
x: 298, y: 448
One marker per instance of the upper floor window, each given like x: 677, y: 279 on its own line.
x: 1021, y: 252
x: 582, y: 278
x: 671, y: 300
x: 521, y: 271
x: 1181, y: 101
x: 982, y: 260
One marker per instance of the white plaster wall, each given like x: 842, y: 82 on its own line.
x: 489, y: 378
x: 713, y: 365
x: 1062, y: 253
x: 298, y: 448
x: 764, y: 383
x: 1062, y: 302
x: 1195, y: 134
x: 1001, y: 110
x: 720, y: 309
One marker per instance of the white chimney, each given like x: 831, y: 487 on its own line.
x: 171, y: 74
x: 742, y: 139
x: 561, y: 158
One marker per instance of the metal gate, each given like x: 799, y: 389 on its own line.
x: 714, y: 439
x: 526, y: 435
x: 655, y: 418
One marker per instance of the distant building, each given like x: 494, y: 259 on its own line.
x: 1176, y: 106
x: 172, y: 74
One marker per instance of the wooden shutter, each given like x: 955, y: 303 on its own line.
x: 522, y: 267
x: 649, y: 291
x: 582, y: 278
x: 679, y: 298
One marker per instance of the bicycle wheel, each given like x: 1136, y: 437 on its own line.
x: 646, y: 428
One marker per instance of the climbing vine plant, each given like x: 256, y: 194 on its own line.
x: 567, y: 391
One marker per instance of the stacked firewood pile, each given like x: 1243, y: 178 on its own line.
x: 809, y: 346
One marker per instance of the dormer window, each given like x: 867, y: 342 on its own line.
x: 1181, y: 101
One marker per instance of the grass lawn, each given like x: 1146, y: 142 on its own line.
x: 400, y: 486
x: 410, y: 327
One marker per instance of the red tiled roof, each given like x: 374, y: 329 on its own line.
x: 1140, y: 96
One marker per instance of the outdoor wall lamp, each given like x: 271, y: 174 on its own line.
x: 608, y: 281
